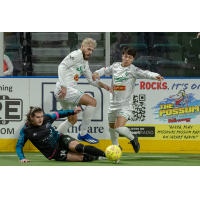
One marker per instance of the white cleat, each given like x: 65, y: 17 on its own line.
x: 117, y: 161
x: 102, y: 158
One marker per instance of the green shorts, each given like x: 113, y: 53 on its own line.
x: 63, y: 147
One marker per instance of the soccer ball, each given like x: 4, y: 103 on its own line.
x: 113, y: 152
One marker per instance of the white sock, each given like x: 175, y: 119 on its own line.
x: 125, y: 132
x: 64, y: 126
x: 86, y: 119
x: 114, y: 136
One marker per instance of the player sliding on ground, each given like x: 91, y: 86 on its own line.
x: 124, y: 76
x: 69, y: 71
x: 51, y: 143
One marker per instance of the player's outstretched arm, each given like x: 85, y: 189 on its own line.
x: 24, y: 160
x: 20, y: 144
x: 95, y: 76
x: 106, y: 87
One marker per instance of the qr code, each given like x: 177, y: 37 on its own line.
x: 139, y: 108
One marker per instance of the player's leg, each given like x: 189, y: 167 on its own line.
x: 121, y: 129
x: 75, y: 146
x: 112, y: 115
x: 90, y: 104
x: 70, y: 121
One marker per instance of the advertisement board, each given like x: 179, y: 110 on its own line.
x: 163, y: 113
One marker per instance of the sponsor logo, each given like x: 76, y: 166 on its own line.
x: 178, y: 107
x: 147, y: 131
x: 47, y: 125
x: 119, y: 87
x: 72, y: 58
x: 34, y: 134
x: 76, y: 77
x: 120, y: 79
x: 10, y: 109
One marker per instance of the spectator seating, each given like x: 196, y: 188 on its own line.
x: 168, y: 51
x: 143, y: 64
x: 176, y: 69
x: 163, y: 38
x: 186, y: 37
x: 49, y: 49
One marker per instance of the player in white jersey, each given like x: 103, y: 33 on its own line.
x: 124, y: 76
x: 69, y: 71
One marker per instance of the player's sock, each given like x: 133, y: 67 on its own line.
x: 87, y: 158
x: 87, y: 115
x: 63, y: 127
x: 125, y: 132
x: 80, y: 148
x: 114, y: 136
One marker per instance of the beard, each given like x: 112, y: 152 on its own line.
x: 84, y: 56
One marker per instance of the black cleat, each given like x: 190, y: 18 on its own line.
x: 135, y: 144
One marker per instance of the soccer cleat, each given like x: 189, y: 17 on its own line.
x: 117, y: 161
x: 135, y: 144
x: 87, y: 138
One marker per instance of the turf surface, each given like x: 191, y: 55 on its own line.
x: 127, y: 159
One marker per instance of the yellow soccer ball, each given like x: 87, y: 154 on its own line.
x: 113, y: 152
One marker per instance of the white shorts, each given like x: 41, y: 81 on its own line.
x: 71, y: 99
x: 113, y: 114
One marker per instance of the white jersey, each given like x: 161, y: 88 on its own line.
x: 71, y: 68
x: 123, y: 83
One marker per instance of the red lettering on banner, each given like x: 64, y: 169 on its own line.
x: 153, y: 86
x: 159, y: 86
x: 148, y: 85
x: 164, y: 84
x: 142, y: 84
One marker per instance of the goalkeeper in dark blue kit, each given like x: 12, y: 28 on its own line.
x: 51, y: 143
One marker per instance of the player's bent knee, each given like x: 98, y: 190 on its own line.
x: 79, y: 148
x: 93, y: 102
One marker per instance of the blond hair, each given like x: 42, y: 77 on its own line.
x: 89, y: 42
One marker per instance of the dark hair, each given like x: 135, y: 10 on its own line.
x: 31, y: 113
x: 129, y: 50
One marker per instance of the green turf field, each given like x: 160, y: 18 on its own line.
x: 127, y: 159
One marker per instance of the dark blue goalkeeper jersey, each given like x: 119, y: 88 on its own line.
x: 44, y: 137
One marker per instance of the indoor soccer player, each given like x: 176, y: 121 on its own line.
x: 124, y: 76
x: 69, y: 71
x: 51, y: 143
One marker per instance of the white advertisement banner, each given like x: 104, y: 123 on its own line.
x: 173, y: 102
x: 14, y: 103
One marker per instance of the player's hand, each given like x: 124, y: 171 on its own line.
x: 77, y: 109
x: 159, y: 78
x: 62, y: 93
x: 24, y: 160
x: 198, y: 35
x: 95, y: 76
x: 106, y: 87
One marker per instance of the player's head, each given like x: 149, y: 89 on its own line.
x: 35, y: 116
x: 128, y: 55
x: 87, y: 47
